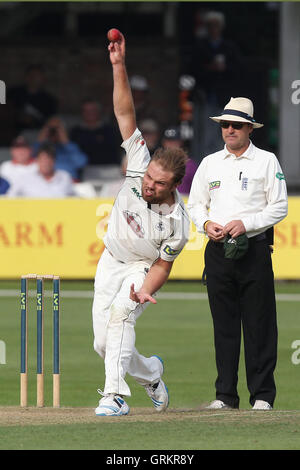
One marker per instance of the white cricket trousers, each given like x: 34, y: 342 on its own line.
x: 114, y: 318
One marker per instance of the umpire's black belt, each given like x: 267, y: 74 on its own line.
x: 259, y: 237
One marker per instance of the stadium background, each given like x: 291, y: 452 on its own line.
x: 69, y: 40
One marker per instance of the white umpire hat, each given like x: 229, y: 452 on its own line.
x: 240, y: 110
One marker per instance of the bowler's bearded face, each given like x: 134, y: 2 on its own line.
x: 158, y: 184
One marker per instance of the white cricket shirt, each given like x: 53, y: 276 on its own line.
x: 135, y: 231
x: 35, y: 185
x: 250, y: 188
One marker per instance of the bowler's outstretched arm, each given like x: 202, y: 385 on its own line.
x: 155, y: 279
x: 122, y: 96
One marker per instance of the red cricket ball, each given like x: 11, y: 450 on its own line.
x: 113, y: 35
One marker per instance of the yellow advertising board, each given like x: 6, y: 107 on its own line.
x: 64, y: 237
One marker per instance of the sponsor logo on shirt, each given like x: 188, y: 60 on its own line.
x: 280, y: 176
x: 214, y: 185
x: 136, y: 192
x: 170, y: 251
x: 135, y: 223
x: 140, y: 140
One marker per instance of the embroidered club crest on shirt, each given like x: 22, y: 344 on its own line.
x: 135, y: 223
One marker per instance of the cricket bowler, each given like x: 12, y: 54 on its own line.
x: 147, y: 229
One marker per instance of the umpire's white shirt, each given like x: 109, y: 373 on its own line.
x: 250, y: 188
x: 135, y: 231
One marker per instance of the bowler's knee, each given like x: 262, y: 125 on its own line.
x: 120, y: 313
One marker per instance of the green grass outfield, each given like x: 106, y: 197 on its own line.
x: 179, y: 329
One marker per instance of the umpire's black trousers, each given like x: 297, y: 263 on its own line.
x: 241, y: 296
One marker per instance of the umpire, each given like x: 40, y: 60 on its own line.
x: 238, y: 194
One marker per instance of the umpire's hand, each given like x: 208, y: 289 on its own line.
x: 214, y: 231
x: 234, y: 228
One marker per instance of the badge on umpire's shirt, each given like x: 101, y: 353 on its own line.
x: 244, y: 184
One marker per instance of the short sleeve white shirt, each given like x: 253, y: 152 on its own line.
x: 136, y: 232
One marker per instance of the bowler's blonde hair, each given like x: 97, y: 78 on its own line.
x: 173, y: 160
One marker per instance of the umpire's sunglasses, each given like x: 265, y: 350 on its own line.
x: 234, y: 125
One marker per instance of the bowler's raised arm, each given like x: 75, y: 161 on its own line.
x: 122, y: 96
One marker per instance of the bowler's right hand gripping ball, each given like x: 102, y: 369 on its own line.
x: 113, y: 35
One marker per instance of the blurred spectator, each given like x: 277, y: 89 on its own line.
x: 69, y: 157
x: 172, y: 138
x: 31, y: 103
x: 151, y: 133
x: 200, y: 30
x: 216, y: 64
x: 144, y: 108
x: 96, y: 138
x: 111, y: 188
x: 46, y: 182
x: 140, y: 93
x: 4, y: 185
x: 22, y: 162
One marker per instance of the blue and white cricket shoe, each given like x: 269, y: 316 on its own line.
x: 112, y: 405
x: 158, y: 392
